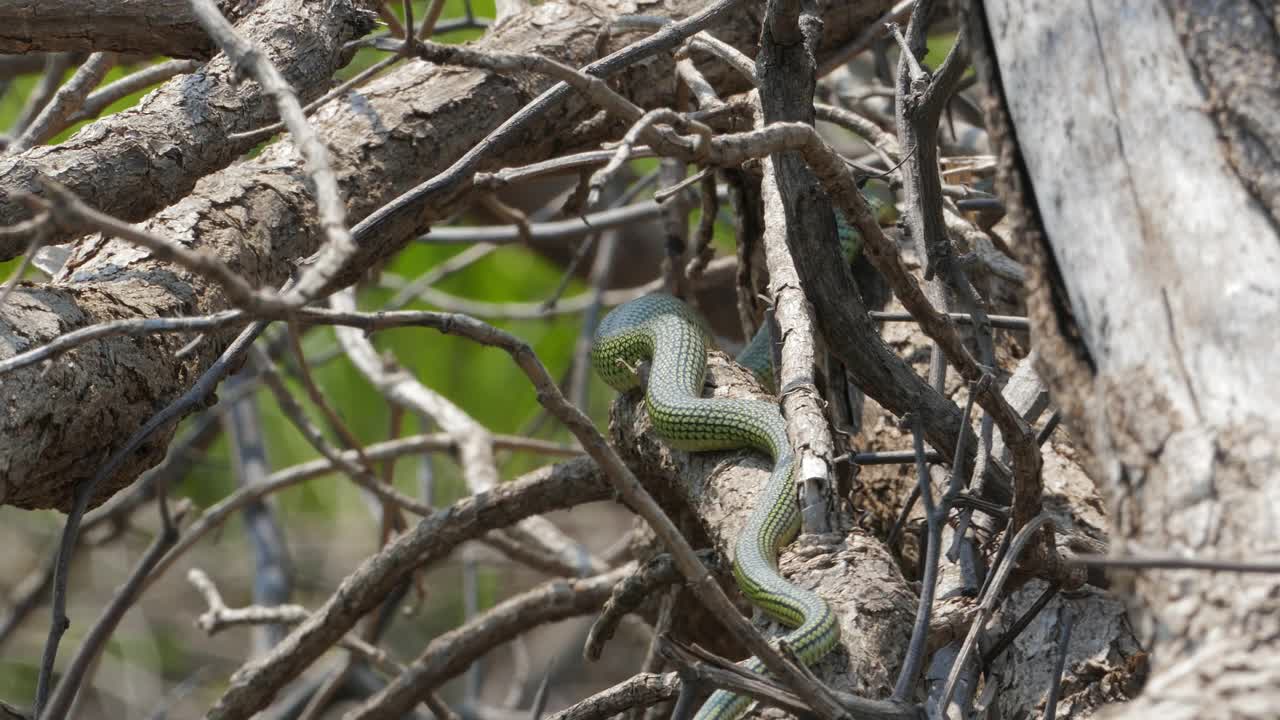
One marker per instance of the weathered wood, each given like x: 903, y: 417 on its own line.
x: 1171, y: 268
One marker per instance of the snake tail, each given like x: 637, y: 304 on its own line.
x: 663, y: 331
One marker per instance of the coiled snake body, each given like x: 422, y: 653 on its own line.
x: 663, y: 331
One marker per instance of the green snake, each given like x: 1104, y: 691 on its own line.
x: 668, y: 335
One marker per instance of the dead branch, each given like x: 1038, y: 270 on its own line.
x: 137, y: 27
x: 451, y: 653
x: 433, y: 538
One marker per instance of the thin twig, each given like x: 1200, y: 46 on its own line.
x: 1173, y: 562
x: 213, y: 517
x: 990, y: 599
x: 86, y: 491
x: 457, y: 263
x: 1060, y: 664
x: 1006, y: 322
x: 104, y: 96
x: 272, y: 569
x: 545, y: 232
x: 453, y: 651
x: 339, y: 246
x: 642, y: 690
x: 69, y: 98
x: 465, y: 167
x: 55, y: 65
x: 915, y: 648
x: 361, y: 474
x: 124, y: 598
x: 1050, y: 592
x: 874, y: 31
x: 309, y: 109
x: 475, y: 442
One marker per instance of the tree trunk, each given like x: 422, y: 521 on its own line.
x: 1139, y: 144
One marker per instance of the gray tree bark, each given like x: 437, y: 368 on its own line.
x: 1140, y: 154
x: 137, y: 161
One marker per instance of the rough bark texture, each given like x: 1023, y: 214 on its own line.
x: 852, y: 571
x: 60, y: 421
x: 820, y: 263
x: 1234, y: 50
x: 136, y: 27
x: 137, y: 161
x: 1167, y: 262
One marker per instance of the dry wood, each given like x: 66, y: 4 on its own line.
x: 135, y: 27
x: 1154, y: 279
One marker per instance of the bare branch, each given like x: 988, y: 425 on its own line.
x: 53, y: 119
x: 639, y: 691
x: 451, y: 653
x: 628, y: 595
x: 137, y: 27
x: 474, y: 442
x: 263, y: 244
x: 149, y: 156
x: 432, y: 539
x: 134, y: 82
x: 338, y: 247
x: 124, y: 598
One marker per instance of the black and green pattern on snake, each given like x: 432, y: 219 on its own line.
x: 663, y: 331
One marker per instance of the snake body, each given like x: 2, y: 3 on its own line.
x: 668, y: 335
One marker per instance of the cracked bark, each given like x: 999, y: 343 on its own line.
x: 259, y: 218
x: 1166, y: 263
x: 139, y: 160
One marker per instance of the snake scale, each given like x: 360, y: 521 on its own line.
x: 663, y: 331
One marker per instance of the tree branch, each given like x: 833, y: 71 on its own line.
x: 141, y: 159
x: 44, y: 459
x: 137, y: 27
